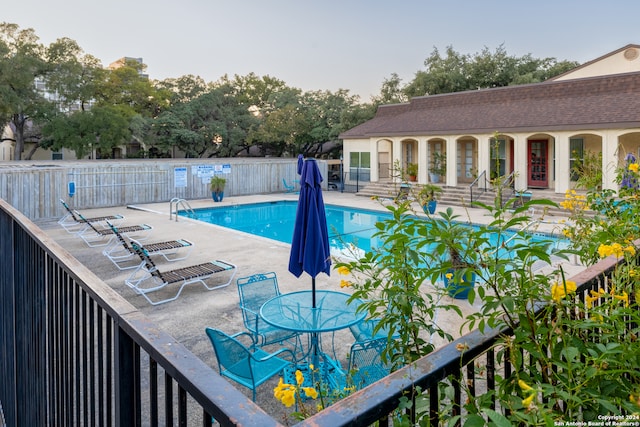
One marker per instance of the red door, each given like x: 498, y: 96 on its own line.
x: 537, y: 172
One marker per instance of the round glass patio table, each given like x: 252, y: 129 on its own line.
x: 294, y: 312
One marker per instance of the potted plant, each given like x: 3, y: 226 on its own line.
x: 438, y: 166
x: 216, y: 185
x: 412, y: 171
x: 428, y: 197
x: 456, y: 253
x: 460, y: 278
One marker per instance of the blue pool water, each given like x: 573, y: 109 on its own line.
x: 275, y: 220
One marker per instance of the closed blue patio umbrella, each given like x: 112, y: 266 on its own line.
x: 310, y: 244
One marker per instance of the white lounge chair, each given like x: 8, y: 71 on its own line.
x: 94, y: 236
x: 146, y: 278
x: 121, y: 253
x: 72, y: 223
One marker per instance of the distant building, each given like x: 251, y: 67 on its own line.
x: 543, y: 129
x: 122, y: 61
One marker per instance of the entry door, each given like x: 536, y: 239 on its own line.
x: 466, y: 164
x: 538, y: 175
x: 384, y: 165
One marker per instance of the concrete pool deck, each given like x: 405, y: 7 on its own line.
x: 196, y: 308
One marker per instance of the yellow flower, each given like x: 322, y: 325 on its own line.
x: 613, y: 249
x: 604, y: 250
x: 524, y: 386
x: 289, y: 398
x: 448, y: 276
x: 591, y: 300
x: 631, y: 250
x: 277, y: 392
x: 633, y: 167
x: 559, y: 291
x: 310, y: 392
x: 617, y: 250
x: 345, y: 283
x: 299, y: 377
x: 526, y: 402
x: 624, y: 297
x: 344, y: 270
x: 285, y: 393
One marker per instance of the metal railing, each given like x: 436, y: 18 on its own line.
x: 185, y: 206
x: 480, y: 179
x: 468, y: 373
x: 74, y: 352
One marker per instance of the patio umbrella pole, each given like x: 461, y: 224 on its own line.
x: 313, y: 292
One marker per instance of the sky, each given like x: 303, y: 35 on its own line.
x: 325, y: 44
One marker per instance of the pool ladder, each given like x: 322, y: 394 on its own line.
x: 185, y: 206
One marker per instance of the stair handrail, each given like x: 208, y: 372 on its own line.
x: 185, y: 206
x: 508, y: 182
x: 477, y: 181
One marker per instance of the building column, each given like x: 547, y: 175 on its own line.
x: 452, y: 161
x: 397, y: 154
x: 375, y: 164
x: 610, y: 160
x: 520, y: 161
x: 562, y: 166
x: 422, y: 160
x: 484, y: 157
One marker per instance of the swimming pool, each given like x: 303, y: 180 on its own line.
x: 275, y: 220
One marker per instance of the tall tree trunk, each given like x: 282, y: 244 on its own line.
x: 18, y: 122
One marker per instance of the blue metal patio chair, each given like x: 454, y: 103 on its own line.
x: 289, y: 188
x: 368, y: 330
x: 365, y: 364
x: 254, y: 291
x: 248, y: 366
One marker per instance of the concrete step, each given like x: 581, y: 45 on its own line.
x: 456, y: 196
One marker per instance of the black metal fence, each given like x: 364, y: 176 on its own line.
x: 466, y: 374
x: 74, y: 353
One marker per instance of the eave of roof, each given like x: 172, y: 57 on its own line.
x: 603, y: 102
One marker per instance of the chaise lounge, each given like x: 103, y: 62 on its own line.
x: 146, y: 278
x: 121, y: 253
x: 72, y: 223
x: 94, y: 237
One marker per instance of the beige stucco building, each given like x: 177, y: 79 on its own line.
x: 542, y: 129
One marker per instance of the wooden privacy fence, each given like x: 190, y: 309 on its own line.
x: 35, y: 187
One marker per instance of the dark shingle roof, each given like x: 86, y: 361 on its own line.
x: 591, y: 103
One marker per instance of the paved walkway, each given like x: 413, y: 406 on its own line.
x: 186, y: 318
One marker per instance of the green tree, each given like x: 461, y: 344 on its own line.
x: 128, y: 87
x: 21, y: 63
x: 457, y: 72
x: 183, y: 89
x: 101, y: 129
x: 72, y: 75
x: 214, y: 124
x: 391, y: 92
